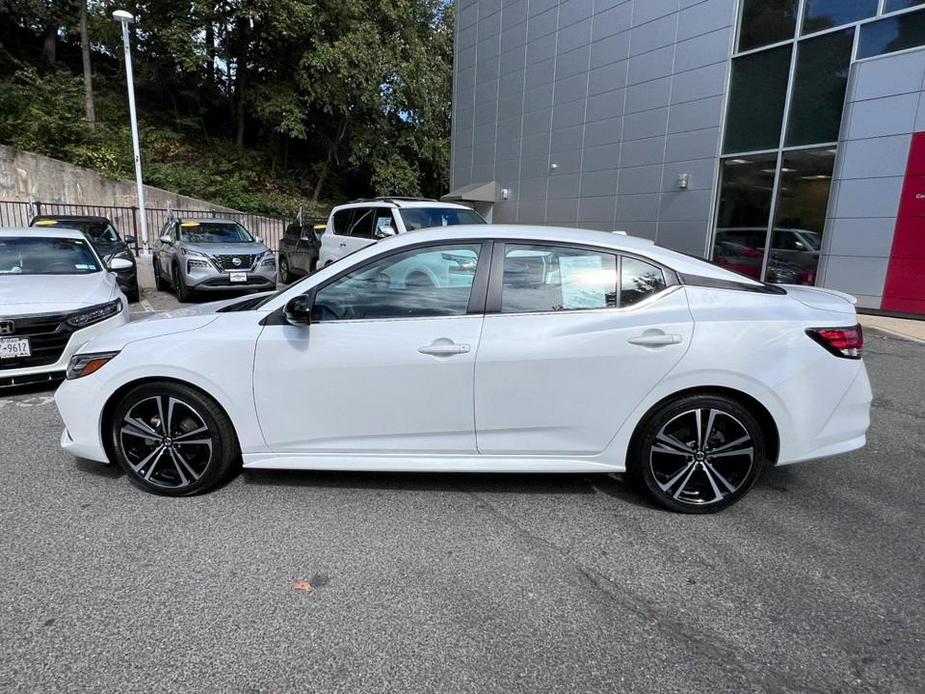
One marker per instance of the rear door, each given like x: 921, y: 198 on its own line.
x: 335, y: 241
x: 573, y: 339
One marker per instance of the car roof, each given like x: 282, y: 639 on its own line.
x: 612, y: 241
x: 207, y: 220
x: 392, y: 203
x: 69, y: 218
x: 42, y: 232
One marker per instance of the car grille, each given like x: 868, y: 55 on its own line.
x: 48, y: 336
x: 227, y: 262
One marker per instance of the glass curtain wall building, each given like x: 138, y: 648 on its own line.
x: 778, y: 138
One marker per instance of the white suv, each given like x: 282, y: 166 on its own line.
x: 363, y: 222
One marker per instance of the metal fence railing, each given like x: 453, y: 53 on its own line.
x: 127, y: 219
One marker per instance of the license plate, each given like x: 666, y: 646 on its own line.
x: 14, y: 347
x: 237, y: 276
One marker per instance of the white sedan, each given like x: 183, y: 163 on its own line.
x: 55, y: 294
x: 484, y: 349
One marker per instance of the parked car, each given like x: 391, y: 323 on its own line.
x: 106, y: 241
x: 534, y: 349
x: 55, y: 294
x: 298, y: 250
x: 792, y: 259
x: 363, y: 222
x: 208, y: 255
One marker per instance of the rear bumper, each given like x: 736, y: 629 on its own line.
x: 845, y: 429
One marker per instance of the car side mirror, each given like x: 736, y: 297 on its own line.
x: 129, y: 239
x: 117, y: 264
x: 166, y: 239
x: 384, y: 232
x: 258, y: 239
x: 298, y: 310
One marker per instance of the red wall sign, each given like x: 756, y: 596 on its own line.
x: 905, y: 279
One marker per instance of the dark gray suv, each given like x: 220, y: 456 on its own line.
x: 202, y: 255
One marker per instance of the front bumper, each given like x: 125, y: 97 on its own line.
x: 80, y: 408
x: 202, y: 279
x: 55, y: 371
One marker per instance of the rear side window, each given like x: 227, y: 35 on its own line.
x: 639, y: 280
x: 362, y: 225
x: 550, y: 278
x: 342, y: 219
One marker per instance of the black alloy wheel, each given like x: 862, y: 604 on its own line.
x: 699, y: 454
x: 171, y: 439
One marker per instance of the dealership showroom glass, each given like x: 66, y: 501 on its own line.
x: 783, y: 139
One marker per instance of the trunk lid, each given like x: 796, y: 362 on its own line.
x: 822, y: 299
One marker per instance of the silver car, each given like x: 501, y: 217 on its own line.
x: 203, y: 255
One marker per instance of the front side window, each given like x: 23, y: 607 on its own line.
x: 46, y: 256
x: 551, y: 278
x: 425, y: 217
x: 214, y: 232
x: 424, y: 282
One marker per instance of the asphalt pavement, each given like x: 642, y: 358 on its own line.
x: 466, y: 583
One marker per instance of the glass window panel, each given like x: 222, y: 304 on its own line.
x: 819, y: 88
x: 893, y: 5
x: 639, y: 280
x: 756, y: 101
x: 432, y: 281
x: 825, y: 14
x: 767, y: 21
x: 802, y: 201
x: 892, y: 34
x: 744, y: 212
x: 552, y: 278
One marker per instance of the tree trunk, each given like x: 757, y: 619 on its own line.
x: 88, y: 76
x: 210, y: 53
x: 332, y: 153
x: 50, y: 45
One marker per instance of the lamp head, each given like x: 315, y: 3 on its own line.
x: 123, y: 16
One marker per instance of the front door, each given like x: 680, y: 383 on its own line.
x: 386, y: 367
x: 574, y: 339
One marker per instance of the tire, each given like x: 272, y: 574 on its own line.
x: 698, y: 454
x: 284, y: 276
x: 133, y: 295
x: 159, y: 282
x: 179, y: 459
x: 313, y: 266
x: 183, y: 293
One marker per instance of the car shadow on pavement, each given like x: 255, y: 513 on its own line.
x: 92, y: 467
x: 473, y: 483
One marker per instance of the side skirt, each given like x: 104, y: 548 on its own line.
x: 413, y: 463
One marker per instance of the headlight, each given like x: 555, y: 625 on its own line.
x: 85, y: 364
x: 192, y: 254
x: 197, y: 263
x: 94, y: 314
x: 268, y: 259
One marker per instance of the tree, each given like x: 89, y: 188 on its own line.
x: 85, y: 59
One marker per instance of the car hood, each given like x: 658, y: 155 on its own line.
x: 24, y: 295
x: 225, y: 248
x: 116, y: 340
x: 208, y: 309
x: 824, y: 299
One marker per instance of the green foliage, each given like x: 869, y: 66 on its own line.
x: 256, y: 104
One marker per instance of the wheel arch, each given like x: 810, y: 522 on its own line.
x: 117, y: 395
x: 761, y: 413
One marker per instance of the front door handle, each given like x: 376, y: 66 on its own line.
x: 655, y: 339
x: 443, y: 348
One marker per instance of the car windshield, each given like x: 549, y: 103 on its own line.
x: 20, y: 255
x: 214, y: 232
x: 97, y: 230
x: 424, y: 217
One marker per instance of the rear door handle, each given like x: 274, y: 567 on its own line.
x: 655, y: 340
x: 443, y: 348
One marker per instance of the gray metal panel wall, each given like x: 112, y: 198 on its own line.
x: 884, y: 106
x: 587, y: 110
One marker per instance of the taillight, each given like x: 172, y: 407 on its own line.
x: 842, y: 342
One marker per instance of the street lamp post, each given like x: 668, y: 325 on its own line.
x: 125, y: 18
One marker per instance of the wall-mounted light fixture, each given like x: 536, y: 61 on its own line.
x: 505, y: 193
x: 683, y: 180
